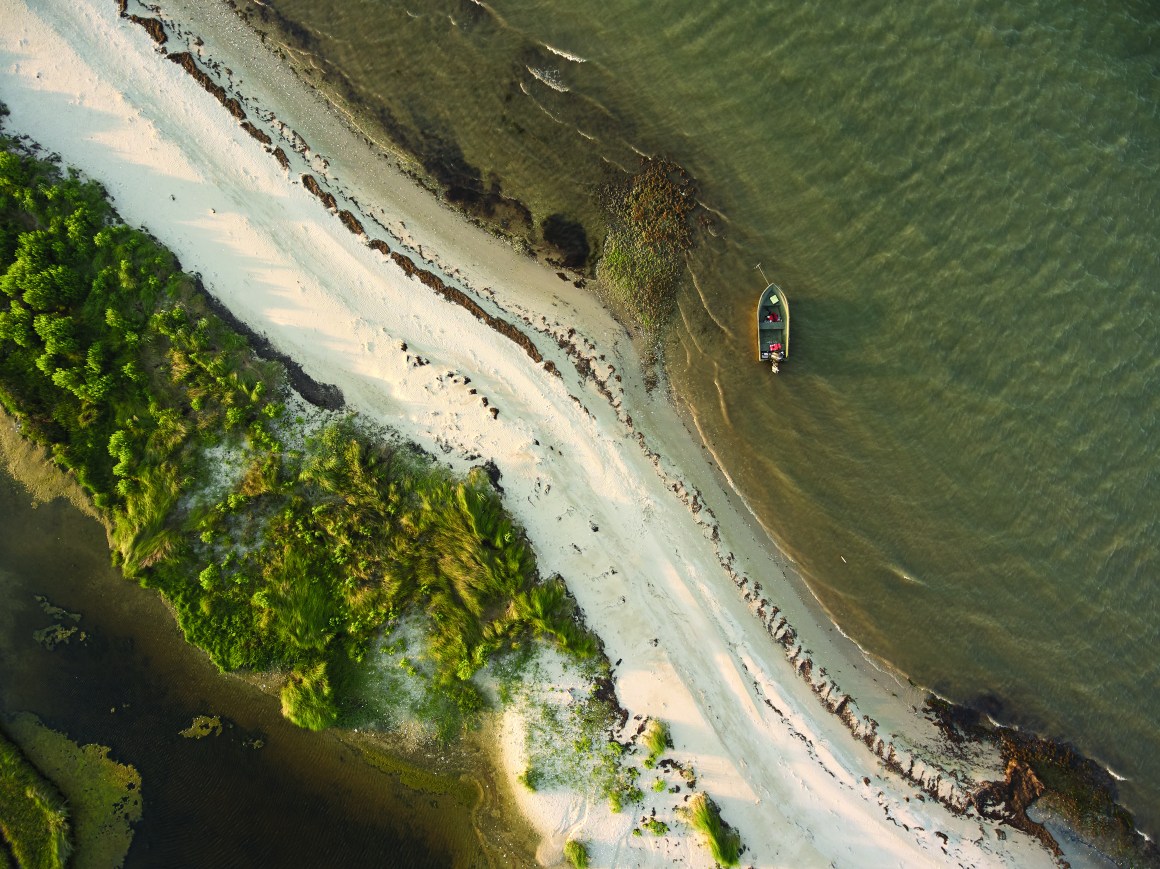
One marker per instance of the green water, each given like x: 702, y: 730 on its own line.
x: 961, y: 199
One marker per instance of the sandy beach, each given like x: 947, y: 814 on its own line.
x: 789, y: 729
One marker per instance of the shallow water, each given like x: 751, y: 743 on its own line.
x: 300, y: 799
x: 961, y: 200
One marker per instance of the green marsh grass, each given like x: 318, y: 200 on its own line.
x: 307, y: 699
x: 34, y: 819
x: 569, y: 735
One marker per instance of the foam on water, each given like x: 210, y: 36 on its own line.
x: 575, y: 58
x: 550, y: 77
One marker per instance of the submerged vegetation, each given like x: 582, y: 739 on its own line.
x: 112, y: 359
x: 648, y: 234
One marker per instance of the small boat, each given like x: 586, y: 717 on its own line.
x: 773, y: 326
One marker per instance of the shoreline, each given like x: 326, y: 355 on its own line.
x: 885, y: 675
x: 246, y: 703
x: 673, y: 462
x: 279, y: 31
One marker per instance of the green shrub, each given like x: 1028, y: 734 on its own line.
x: 576, y: 853
x: 656, y: 826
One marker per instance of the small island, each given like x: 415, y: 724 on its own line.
x: 371, y: 451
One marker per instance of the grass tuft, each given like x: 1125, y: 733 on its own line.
x: 307, y: 699
x: 656, y: 740
x: 576, y: 853
x: 724, y: 842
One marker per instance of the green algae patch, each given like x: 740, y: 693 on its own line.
x: 64, y: 628
x: 203, y: 726
x: 415, y: 777
x: 55, y: 635
x: 649, y: 231
x: 34, y: 818
x: 56, y: 612
x: 104, y: 795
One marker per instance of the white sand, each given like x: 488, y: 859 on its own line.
x: 689, y: 649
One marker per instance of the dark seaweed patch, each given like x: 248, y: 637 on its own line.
x: 568, y: 237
